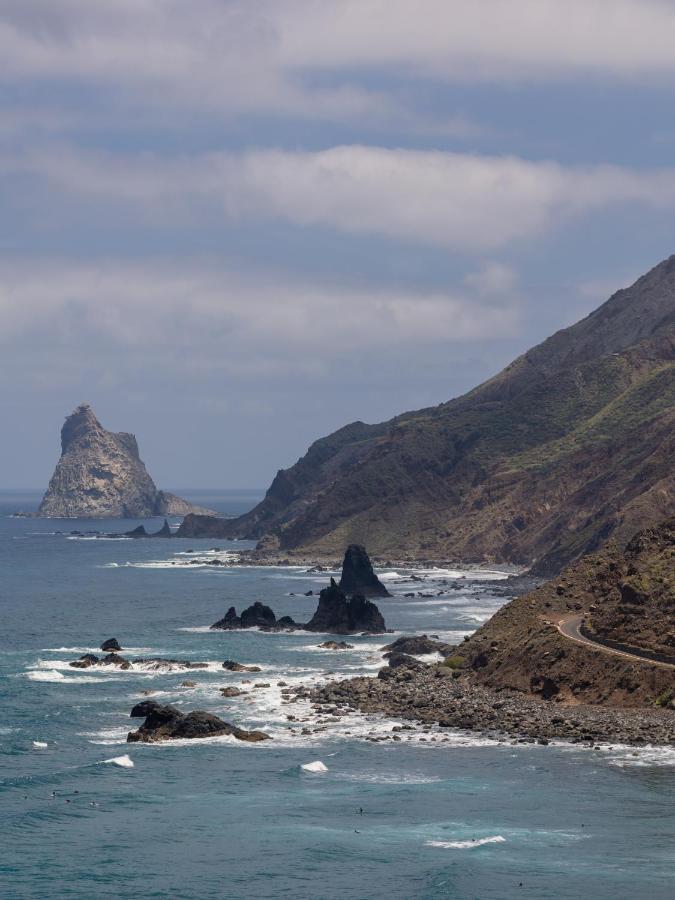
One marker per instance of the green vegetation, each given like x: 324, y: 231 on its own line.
x: 454, y: 662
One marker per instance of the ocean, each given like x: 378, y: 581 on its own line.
x: 439, y: 814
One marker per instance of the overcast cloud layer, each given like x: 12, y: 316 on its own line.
x: 235, y: 225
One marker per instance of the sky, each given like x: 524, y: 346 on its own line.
x: 233, y: 226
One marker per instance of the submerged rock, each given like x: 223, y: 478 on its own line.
x: 358, y: 576
x: 165, y: 723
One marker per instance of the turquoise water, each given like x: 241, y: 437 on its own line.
x: 445, y: 814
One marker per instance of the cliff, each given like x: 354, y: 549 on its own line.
x: 100, y: 475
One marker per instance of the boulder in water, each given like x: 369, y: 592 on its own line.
x: 233, y: 666
x: 111, y: 644
x: 166, y: 723
x: 358, y: 576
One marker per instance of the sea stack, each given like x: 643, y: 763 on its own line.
x: 339, y: 614
x: 358, y: 576
x: 100, y: 475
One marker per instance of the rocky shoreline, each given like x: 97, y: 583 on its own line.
x: 437, y: 695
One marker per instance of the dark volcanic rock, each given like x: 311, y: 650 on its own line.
x: 100, y: 475
x: 199, y: 525
x: 84, y: 662
x: 144, y: 708
x: 358, y: 576
x: 418, y: 645
x: 165, y: 723
x: 231, y: 692
x: 139, y: 532
x: 402, y: 659
x: 336, y: 645
x: 114, y: 659
x: 111, y: 644
x: 164, y: 531
x: 336, y: 614
x: 232, y: 666
x: 255, y: 616
x: 229, y: 621
x: 258, y: 615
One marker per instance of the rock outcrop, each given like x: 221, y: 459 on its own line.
x: 255, y: 616
x: 571, y: 444
x: 166, y: 723
x: 339, y: 614
x: 100, y: 475
x: 335, y: 614
x: 358, y: 576
x: 417, y: 645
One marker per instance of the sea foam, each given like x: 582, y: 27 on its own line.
x: 467, y: 845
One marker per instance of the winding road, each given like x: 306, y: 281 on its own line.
x: 570, y: 627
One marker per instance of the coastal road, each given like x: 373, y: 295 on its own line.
x: 570, y: 627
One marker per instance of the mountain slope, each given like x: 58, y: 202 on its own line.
x: 624, y: 597
x: 100, y: 475
x: 571, y: 443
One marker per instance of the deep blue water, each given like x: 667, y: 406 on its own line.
x: 219, y: 819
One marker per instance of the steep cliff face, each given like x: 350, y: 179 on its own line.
x: 572, y: 443
x: 100, y: 475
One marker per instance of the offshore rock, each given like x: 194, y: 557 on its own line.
x: 338, y: 614
x: 358, y: 576
x: 255, y: 616
x: 100, y: 475
x: 165, y: 723
x: 112, y: 644
x: 335, y: 614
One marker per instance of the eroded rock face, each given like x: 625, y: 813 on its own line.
x: 165, y: 723
x: 358, y: 576
x: 338, y: 614
x: 100, y: 475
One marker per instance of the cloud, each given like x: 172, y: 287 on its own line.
x: 160, y: 317
x: 262, y: 56
x: 458, y: 201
